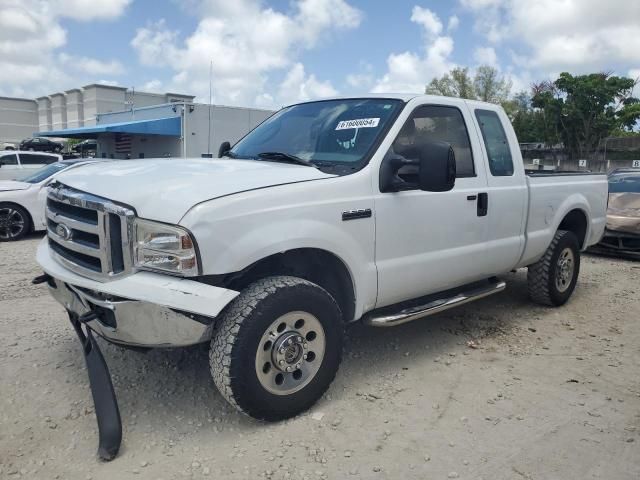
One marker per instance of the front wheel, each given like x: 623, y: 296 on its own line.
x: 277, y: 347
x: 15, y: 222
x: 553, y: 278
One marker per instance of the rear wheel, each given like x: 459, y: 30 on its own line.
x: 15, y: 222
x: 277, y: 347
x: 553, y: 278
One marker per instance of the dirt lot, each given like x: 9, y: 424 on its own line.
x: 547, y: 394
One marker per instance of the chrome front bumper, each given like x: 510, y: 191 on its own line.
x: 144, y: 309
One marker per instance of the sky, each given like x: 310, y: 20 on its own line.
x: 269, y: 53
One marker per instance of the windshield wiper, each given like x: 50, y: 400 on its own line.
x: 286, y: 157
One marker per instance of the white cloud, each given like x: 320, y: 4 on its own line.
x: 453, y: 23
x: 91, y: 66
x: 154, y: 85
x: 298, y: 87
x: 410, y: 71
x: 31, y: 35
x: 111, y: 83
x: 86, y: 10
x: 576, y: 35
x: 246, y: 41
x: 486, y: 56
x: 428, y: 19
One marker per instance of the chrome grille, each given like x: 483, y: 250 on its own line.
x: 90, y: 235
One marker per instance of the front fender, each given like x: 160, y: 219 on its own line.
x: 235, y: 232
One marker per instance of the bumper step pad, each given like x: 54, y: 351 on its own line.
x: 104, y: 396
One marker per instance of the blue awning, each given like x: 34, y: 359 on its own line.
x: 170, y: 126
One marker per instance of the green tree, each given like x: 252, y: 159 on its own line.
x: 456, y: 83
x: 582, y: 110
x: 486, y: 84
x: 490, y: 86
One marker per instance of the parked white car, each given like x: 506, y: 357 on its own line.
x: 8, y: 146
x: 22, y: 202
x: 382, y: 209
x: 16, y: 163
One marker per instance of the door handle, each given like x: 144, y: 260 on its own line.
x: 471, y: 197
x: 483, y: 204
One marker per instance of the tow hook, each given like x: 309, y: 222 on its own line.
x: 104, y: 396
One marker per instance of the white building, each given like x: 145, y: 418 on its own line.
x: 127, y: 123
x: 178, y: 129
x: 20, y: 118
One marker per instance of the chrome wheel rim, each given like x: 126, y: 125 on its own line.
x: 11, y: 223
x: 564, y: 270
x: 290, y: 353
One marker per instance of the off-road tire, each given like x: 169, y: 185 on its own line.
x: 542, y: 274
x: 232, y: 353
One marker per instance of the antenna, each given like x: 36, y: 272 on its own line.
x: 210, y: 100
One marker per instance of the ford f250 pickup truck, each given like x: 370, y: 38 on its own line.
x: 382, y: 209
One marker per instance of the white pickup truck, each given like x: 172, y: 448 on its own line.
x: 381, y: 208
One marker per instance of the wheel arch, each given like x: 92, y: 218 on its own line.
x: 576, y: 221
x: 316, y: 265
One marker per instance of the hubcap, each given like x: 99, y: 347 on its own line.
x: 290, y: 353
x: 11, y: 223
x: 564, y: 269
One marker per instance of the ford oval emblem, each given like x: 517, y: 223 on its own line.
x: 63, y: 231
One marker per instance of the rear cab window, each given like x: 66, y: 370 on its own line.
x: 496, y: 143
x: 11, y: 159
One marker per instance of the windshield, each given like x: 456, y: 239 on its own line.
x: 620, y: 183
x: 325, y: 133
x: 44, y: 173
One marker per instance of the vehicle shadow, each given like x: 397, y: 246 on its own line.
x: 172, y: 389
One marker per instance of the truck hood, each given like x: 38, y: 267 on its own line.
x: 11, y: 185
x: 165, y: 189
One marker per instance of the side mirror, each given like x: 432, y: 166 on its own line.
x: 437, y: 167
x: 433, y: 171
x: 224, y: 148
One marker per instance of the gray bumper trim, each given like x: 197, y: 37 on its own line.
x: 138, y: 323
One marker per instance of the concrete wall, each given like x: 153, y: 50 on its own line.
x: 58, y: 111
x: 101, y: 98
x: 18, y: 118
x: 44, y: 114
x: 75, y: 108
x: 227, y: 124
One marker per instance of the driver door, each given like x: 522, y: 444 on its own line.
x: 432, y: 241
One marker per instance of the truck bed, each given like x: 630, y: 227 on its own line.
x: 551, y: 197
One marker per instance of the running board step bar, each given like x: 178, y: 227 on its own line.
x: 434, y: 306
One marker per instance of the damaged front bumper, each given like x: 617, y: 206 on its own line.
x: 144, y: 309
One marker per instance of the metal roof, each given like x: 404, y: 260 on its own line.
x: 170, y: 126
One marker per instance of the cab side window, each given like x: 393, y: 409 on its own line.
x: 9, y: 159
x: 431, y: 123
x: 495, y: 141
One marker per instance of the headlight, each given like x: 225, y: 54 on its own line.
x: 164, y: 248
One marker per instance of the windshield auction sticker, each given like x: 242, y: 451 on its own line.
x: 358, y: 123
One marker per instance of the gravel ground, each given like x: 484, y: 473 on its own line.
x: 497, y: 389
